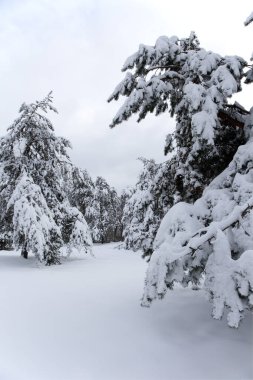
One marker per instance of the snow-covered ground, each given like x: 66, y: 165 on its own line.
x: 82, y: 320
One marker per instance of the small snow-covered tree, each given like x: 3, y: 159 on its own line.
x: 139, y: 219
x: 212, y: 151
x: 116, y: 210
x: 99, y: 203
x: 103, y: 213
x: 81, y: 189
x: 34, y: 170
x: 122, y: 201
x: 76, y: 232
x: 149, y: 201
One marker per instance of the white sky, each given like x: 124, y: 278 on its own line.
x: 77, y: 48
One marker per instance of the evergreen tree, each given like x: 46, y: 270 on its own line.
x: 103, y: 213
x: 99, y: 203
x: 149, y: 201
x: 212, y: 236
x: 80, y: 189
x: 34, y: 165
x: 122, y: 202
x: 194, y: 85
x: 139, y: 219
x: 116, y: 211
x: 76, y: 232
x: 212, y: 233
x: 34, y: 228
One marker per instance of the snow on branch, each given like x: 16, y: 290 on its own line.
x: 249, y: 19
x: 186, y: 248
x: 228, y: 282
x: 207, y: 234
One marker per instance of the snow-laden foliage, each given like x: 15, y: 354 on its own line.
x: 34, y: 227
x: 104, y: 213
x: 212, y: 236
x: 146, y: 206
x: 34, y: 172
x: 139, y: 220
x: 229, y: 282
x: 249, y: 19
x: 194, y: 85
x: 100, y: 204
x: 203, y: 233
x: 249, y: 73
x: 80, y: 189
x: 79, y: 233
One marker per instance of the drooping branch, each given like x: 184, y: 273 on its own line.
x: 207, y: 234
x: 160, y: 67
x: 249, y: 19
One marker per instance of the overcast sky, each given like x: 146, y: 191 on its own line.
x: 77, y: 48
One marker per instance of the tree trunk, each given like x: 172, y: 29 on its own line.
x: 24, y: 252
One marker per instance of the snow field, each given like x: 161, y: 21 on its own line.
x: 82, y: 321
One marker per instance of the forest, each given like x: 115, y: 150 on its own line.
x: 182, y: 234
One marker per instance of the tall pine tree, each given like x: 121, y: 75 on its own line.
x: 212, y: 233
x: 34, y: 165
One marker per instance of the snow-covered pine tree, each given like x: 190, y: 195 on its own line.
x: 192, y: 84
x: 103, y: 214
x: 89, y: 199
x: 123, y: 199
x: 34, y: 228
x: 213, y: 235
x: 80, y: 189
x: 116, y: 212
x: 139, y: 219
x: 149, y: 201
x: 34, y: 166
x: 76, y: 232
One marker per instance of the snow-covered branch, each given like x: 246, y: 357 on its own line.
x: 207, y: 234
x: 249, y: 19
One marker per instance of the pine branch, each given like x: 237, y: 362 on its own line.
x: 160, y: 67
x: 173, y: 67
x: 207, y: 234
